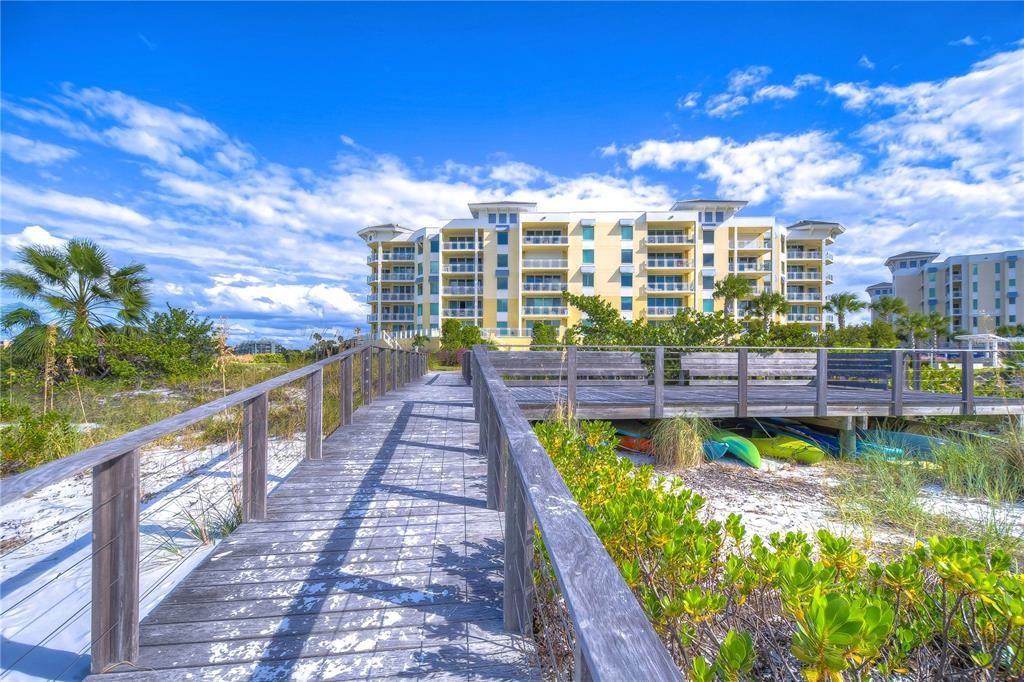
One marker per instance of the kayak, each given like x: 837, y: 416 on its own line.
x: 913, y: 445
x: 714, y: 449
x: 789, y: 447
x: 634, y: 442
x: 738, y: 446
x: 829, y: 444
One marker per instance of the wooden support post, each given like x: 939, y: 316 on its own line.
x: 254, y: 459
x: 821, y: 384
x: 659, y: 382
x: 966, y: 382
x: 570, y: 381
x: 315, y: 415
x: 580, y: 671
x: 519, y: 591
x: 346, y: 390
x: 367, y: 370
x: 382, y: 373
x: 742, y: 382
x: 898, y: 381
x: 916, y: 365
x: 489, y: 448
x: 847, y: 438
x: 394, y: 369
x: 115, y: 562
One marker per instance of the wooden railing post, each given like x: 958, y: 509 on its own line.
x: 821, y: 384
x: 254, y: 459
x: 519, y: 538
x: 346, y: 390
x: 382, y: 374
x: 367, y: 373
x: 899, y: 379
x: 315, y: 415
x: 115, y: 562
x: 966, y: 382
x: 570, y: 381
x: 742, y: 382
x: 659, y: 382
x: 916, y: 364
x: 394, y: 369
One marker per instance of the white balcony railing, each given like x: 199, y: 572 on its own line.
x: 462, y: 291
x: 391, y: 256
x: 669, y: 239
x: 803, y: 317
x: 813, y: 275
x: 461, y: 246
x: 751, y: 244
x: 663, y: 310
x: 390, y: 296
x: 656, y: 263
x: 394, y: 277
x: 545, y: 286
x: 395, y: 317
x: 461, y: 312
x: 545, y: 310
x: 536, y: 240
x: 802, y: 296
x: 666, y: 287
x: 803, y: 255
x: 460, y: 267
x: 509, y: 332
x: 750, y: 267
x: 545, y: 263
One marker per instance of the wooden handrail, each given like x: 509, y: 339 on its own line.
x: 116, y: 486
x: 614, y: 638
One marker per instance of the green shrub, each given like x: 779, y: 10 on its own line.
x: 782, y: 606
x: 32, y: 440
x: 269, y: 358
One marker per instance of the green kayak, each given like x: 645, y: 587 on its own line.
x: 788, y: 447
x: 738, y: 446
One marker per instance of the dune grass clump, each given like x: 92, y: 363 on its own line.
x: 679, y: 441
x: 990, y: 467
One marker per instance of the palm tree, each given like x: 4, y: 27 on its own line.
x: 937, y: 324
x: 842, y: 303
x: 731, y: 288
x: 767, y: 305
x: 913, y: 326
x: 75, y: 292
x: 889, y: 308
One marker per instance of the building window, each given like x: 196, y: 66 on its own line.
x: 588, y: 256
x: 709, y: 305
x: 492, y: 217
x: 708, y: 236
x: 999, y: 304
x: 709, y: 260
x: 513, y: 218
x: 503, y: 218
x: 433, y: 309
x: 626, y: 303
x: 931, y: 292
x: 709, y: 217
x: 627, y: 255
x: 435, y: 245
x: 503, y: 283
x: 627, y: 232
x: 502, y: 260
x: 503, y: 238
x: 719, y: 216
x: 974, y: 269
x: 588, y: 279
x: 502, y: 305
x: 974, y: 287
x: 708, y: 282
x: 999, y: 268
x: 588, y: 233
x: 627, y: 279
x: 433, y: 267
x: 419, y: 268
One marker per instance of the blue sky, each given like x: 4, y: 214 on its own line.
x: 236, y: 148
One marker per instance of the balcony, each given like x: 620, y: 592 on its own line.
x: 667, y: 287
x: 545, y: 264
x: 385, y: 297
x: 798, y: 296
x: 812, y: 276
x: 545, y: 286
x: 449, y: 268
x: 658, y: 239
x: 545, y: 240
x: 830, y: 257
x: 462, y: 291
x: 750, y: 267
x: 668, y: 263
x: 394, y: 317
x: 394, y: 277
x: 461, y: 246
x: 803, y: 255
x: 391, y: 256
x: 828, y: 279
x: 803, y: 317
x: 663, y: 310
x: 751, y: 244
x: 461, y: 312
x: 545, y: 311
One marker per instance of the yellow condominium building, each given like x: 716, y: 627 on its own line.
x: 505, y: 267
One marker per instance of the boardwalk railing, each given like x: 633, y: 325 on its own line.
x: 730, y: 381
x: 116, y: 490
x: 613, y: 639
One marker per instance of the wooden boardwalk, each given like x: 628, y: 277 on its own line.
x: 380, y: 560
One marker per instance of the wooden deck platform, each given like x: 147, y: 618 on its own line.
x: 380, y: 560
x: 636, y: 401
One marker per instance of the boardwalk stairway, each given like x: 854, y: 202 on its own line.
x: 379, y: 560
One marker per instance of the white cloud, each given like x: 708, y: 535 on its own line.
x: 748, y: 78
x: 33, y: 235
x: 33, y: 151
x: 49, y: 202
x: 775, y: 92
x: 967, y: 41
x: 315, y: 301
x: 688, y: 101
x: 865, y: 63
x: 747, y: 86
x: 725, y: 105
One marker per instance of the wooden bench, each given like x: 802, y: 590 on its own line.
x: 593, y: 368
x: 775, y: 368
x: 860, y: 370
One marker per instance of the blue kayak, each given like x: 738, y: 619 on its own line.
x: 715, y: 449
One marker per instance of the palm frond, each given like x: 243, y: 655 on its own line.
x: 30, y: 345
x: 21, y: 284
x: 87, y: 258
x: 20, y: 317
x: 47, y: 262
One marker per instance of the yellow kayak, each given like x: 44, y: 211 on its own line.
x: 788, y: 447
